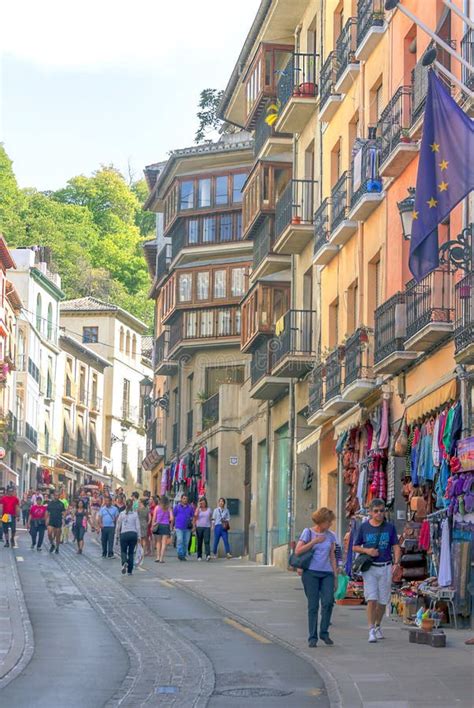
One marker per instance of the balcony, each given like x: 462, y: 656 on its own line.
x: 268, y: 143
x: 297, y: 93
x: 367, y: 189
x: 397, y: 148
x: 370, y: 27
x: 259, y: 195
x: 334, y: 402
x: 294, y: 217
x: 329, y: 99
x: 205, y: 235
x: 316, y: 414
x: 358, y: 365
x: 163, y: 364
x: 324, y: 251
x: 210, y: 412
x: 260, y: 81
x: 263, y: 385
x: 430, y: 312
x: 163, y: 262
x: 419, y: 86
x: 262, y: 307
x: 390, y: 356
x: 293, y: 352
x: 464, y: 321
x: 265, y: 260
x: 342, y: 227
x: 348, y: 66
x: 197, y: 328
x: 467, y: 52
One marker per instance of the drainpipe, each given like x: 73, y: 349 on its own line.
x: 266, y: 549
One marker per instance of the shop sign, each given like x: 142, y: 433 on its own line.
x: 466, y: 454
x: 234, y: 460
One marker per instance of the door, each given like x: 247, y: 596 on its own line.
x: 247, y: 493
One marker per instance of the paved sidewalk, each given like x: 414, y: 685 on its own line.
x: 389, y: 674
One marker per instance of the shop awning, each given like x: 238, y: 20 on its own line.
x: 308, y: 441
x: 355, y: 416
x: 86, y: 470
x: 431, y: 397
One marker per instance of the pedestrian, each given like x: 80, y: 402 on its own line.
x: 10, y: 512
x: 128, y: 531
x: 37, y: 523
x: 377, y: 538
x: 135, y: 498
x: 202, y: 523
x: 120, y: 503
x: 142, y: 512
x: 25, y: 509
x: 66, y: 526
x: 221, y: 524
x: 54, y: 521
x: 80, y: 525
x: 320, y: 578
x: 183, y: 522
x: 163, y: 519
x: 95, y: 509
x: 108, y: 515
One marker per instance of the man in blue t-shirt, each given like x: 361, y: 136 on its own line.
x: 377, y: 537
x: 107, y: 519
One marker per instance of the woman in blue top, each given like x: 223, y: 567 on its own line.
x: 320, y: 579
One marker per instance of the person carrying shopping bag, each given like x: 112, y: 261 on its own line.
x: 221, y: 524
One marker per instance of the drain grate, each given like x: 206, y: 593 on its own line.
x: 253, y: 692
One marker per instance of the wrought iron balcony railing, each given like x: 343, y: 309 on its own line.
x: 390, y: 327
x: 321, y: 224
x: 263, y: 242
x: 358, y: 356
x: 316, y: 389
x: 395, y: 121
x: 210, y: 411
x: 160, y: 348
x: 260, y: 364
x: 295, y: 205
x: 340, y: 199
x: 346, y: 45
x: 328, y: 78
x: 298, y: 79
x: 467, y: 52
x: 370, y: 13
x: 367, y: 179
x: 464, y: 319
x: 333, y: 366
x: 430, y: 300
x: 296, y: 338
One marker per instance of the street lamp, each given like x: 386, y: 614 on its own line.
x: 405, y: 209
x: 146, y: 387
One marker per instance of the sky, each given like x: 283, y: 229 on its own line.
x: 109, y: 81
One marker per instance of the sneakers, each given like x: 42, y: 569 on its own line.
x: 6, y: 544
x: 33, y: 546
x: 57, y: 550
x: 199, y: 559
x: 124, y: 568
x: 313, y: 643
x: 208, y: 558
x: 51, y: 548
x: 228, y: 556
x: 327, y: 640
x: 378, y: 632
x: 372, y: 635
x: 39, y: 548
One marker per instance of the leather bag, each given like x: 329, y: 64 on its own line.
x: 400, y: 442
x: 411, y: 560
x: 302, y: 561
x: 362, y: 563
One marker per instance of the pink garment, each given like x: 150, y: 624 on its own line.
x: 384, y: 429
x: 203, y: 464
x: 424, y: 538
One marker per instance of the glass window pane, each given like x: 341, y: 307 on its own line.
x: 238, y: 321
x: 238, y: 226
x: 221, y: 190
x: 204, y: 193
x: 193, y: 231
x: 237, y: 282
x: 226, y: 227
x: 237, y: 184
x: 219, y: 283
x: 209, y: 229
x: 190, y: 327
x: 206, y: 323
x: 223, y: 323
x: 185, y: 283
x: 203, y: 286
x: 187, y: 195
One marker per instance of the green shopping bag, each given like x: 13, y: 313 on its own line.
x: 193, y: 544
x: 342, y: 583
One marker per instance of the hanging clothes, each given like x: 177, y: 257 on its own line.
x: 444, y: 575
x: 384, y: 427
x: 435, y: 451
x: 203, y: 464
x: 424, y: 537
x: 456, y: 428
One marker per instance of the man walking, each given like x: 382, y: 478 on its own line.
x: 54, y: 521
x: 107, y: 519
x: 377, y: 537
x: 183, y: 523
x: 10, y: 512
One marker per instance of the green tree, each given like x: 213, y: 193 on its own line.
x: 207, y: 115
x: 12, y: 200
x: 145, y: 220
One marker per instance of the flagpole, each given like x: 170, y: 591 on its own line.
x: 459, y: 13
x: 454, y: 79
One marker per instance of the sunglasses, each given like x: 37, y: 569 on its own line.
x: 378, y: 511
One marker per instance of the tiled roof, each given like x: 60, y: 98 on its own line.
x: 92, y: 304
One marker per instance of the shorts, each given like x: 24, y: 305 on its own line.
x: 9, y: 525
x: 378, y: 583
x: 55, y: 525
x: 163, y: 530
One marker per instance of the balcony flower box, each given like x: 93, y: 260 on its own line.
x: 465, y: 292
x: 308, y: 88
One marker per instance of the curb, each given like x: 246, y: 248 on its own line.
x: 330, y: 683
x: 25, y: 637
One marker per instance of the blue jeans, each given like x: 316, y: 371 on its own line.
x: 182, y: 540
x: 318, y: 588
x: 221, y: 532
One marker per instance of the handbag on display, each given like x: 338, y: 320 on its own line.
x: 410, y: 560
x: 400, y: 441
x: 414, y: 573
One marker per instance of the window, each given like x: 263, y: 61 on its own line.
x: 206, y: 323
x: 219, y: 283
x: 226, y: 228
x: 94, y: 402
x: 224, y: 328
x: 237, y: 282
x: 46, y: 439
x: 126, y: 399
x: 139, y: 467
x: 238, y: 225
x: 186, y: 200
x: 238, y: 182
x: 134, y: 347
x: 190, y: 385
x: 209, y: 229
x: 82, y: 385
x: 124, y: 460
x: 50, y: 321
x: 204, y: 193
x: 185, y: 287
x: 39, y: 319
x: 217, y: 375
x: 122, y: 339
x: 90, y: 335
x: 190, y: 329
x: 203, y: 286
x: 193, y: 231
x: 221, y: 190
x: 127, y: 344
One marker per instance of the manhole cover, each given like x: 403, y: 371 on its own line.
x: 253, y: 692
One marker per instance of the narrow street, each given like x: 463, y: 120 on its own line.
x: 101, y: 639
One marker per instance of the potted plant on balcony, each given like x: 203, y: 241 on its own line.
x: 405, y: 136
x: 306, y: 88
x: 201, y: 397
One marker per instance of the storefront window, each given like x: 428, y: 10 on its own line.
x: 282, y: 444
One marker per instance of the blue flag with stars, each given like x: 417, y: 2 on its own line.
x: 445, y: 173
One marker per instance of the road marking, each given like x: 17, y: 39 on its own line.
x: 20, y: 558
x: 166, y: 584
x: 246, y: 630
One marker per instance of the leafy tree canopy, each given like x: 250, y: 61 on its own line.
x: 208, y: 118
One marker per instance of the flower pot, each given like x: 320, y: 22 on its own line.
x: 364, y: 337
x: 465, y: 292
x: 405, y: 139
x: 296, y: 219
x: 308, y: 88
x: 427, y: 624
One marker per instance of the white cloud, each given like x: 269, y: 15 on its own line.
x: 93, y: 34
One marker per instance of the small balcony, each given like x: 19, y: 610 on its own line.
x: 268, y: 143
x: 163, y: 262
x: 367, y: 189
x: 260, y: 81
x: 430, y: 311
x: 348, y: 66
x: 294, y: 217
x: 390, y: 355
x: 342, y: 227
x: 316, y: 413
x: 324, y: 251
x: 198, y: 328
x: 263, y: 385
x: 163, y: 364
x: 293, y: 352
x: 297, y: 93
x: 464, y: 321
x: 358, y: 365
x: 262, y: 307
x: 329, y: 99
x: 265, y: 260
x: 419, y: 85
x: 208, y: 235
x: 370, y: 27
x: 467, y: 52
x: 397, y: 148
x: 334, y: 402
x: 210, y: 411
x: 260, y: 193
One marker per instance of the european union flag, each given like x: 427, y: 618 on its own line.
x: 445, y: 173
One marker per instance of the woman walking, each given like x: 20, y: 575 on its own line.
x: 80, y: 525
x: 162, y: 523
x: 202, y: 524
x: 221, y: 523
x: 25, y: 507
x: 37, y: 523
x: 128, y: 531
x: 320, y: 578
